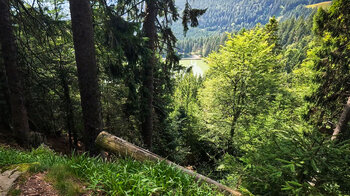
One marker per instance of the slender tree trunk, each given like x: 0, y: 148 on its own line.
x: 9, y: 53
x: 69, y: 111
x: 230, y: 147
x: 150, y: 31
x: 4, y: 98
x: 233, y: 123
x: 343, y: 121
x: 87, y: 70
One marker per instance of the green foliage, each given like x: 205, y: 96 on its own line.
x: 46, y: 59
x: 231, y: 16
x: 120, y: 50
x: 186, y: 93
x: 201, y: 45
x: 244, y: 122
x: 184, y: 119
x: 241, y: 83
x: 191, y: 16
x: 118, y: 177
x: 270, y: 149
x: 294, y: 30
x: 331, y: 64
x: 234, y: 15
x: 271, y: 29
x: 293, y: 163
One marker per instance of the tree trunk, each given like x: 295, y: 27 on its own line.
x: 150, y: 31
x: 233, y: 123
x: 117, y: 145
x: 4, y: 99
x: 9, y: 53
x: 69, y: 110
x: 343, y: 121
x: 82, y: 27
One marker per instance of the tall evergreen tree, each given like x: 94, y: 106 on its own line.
x: 150, y: 31
x: 272, y: 30
x: 4, y: 103
x: 157, y: 76
x: 9, y: 51
x: 87, y: 70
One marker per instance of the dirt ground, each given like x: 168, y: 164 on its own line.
x: 36, y: 185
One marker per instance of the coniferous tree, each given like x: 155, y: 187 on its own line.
x: 160, y: 38
x: 83, y: 37
x: 332, y: 64
x: 4, y: 109
x: 150, y: 31
x: 272, y: 31
x: 9, y: 51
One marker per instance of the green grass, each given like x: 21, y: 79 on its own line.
x: 119, y: 177
x: 199, y: 62
x: 14, y: 192
x: 324, y: 5
x: 64, y: 180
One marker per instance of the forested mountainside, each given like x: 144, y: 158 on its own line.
x: 290, y: 31
x: 233, y: 15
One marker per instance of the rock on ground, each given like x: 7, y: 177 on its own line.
x: 7, y: 179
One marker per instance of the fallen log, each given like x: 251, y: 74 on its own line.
x: 117, y: 145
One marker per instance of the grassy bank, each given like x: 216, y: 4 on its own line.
x: 323, y: 5
x: 118, y: 177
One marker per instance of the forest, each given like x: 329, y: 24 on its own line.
x: 270, y: 116
x: 290, y: 31
x: 232, y: 16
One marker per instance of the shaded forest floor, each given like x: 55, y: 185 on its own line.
x: 59, y: 144
x: 7, y: 139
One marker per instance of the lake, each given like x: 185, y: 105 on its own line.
x: 199, y: 66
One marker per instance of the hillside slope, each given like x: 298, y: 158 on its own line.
x: 96, y: 176
x: 232, y: 15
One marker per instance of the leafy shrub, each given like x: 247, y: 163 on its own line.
x: 292, y: 163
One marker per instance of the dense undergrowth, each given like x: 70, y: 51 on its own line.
x: 117, y: 177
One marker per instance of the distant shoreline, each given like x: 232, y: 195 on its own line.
x: 191, y: 59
